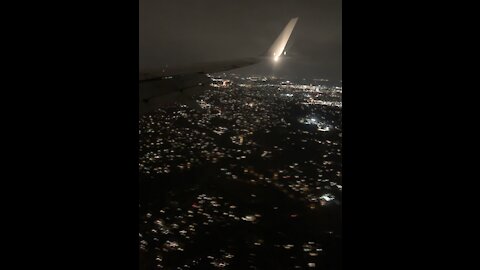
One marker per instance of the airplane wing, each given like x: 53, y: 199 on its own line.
x: 180, y: 84
x: 199, y: 68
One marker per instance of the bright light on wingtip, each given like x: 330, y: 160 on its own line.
x: 276, y: 58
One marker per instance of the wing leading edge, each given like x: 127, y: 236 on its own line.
x: 151, y: 80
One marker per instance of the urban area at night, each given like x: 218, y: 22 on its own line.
x: 251, y: 179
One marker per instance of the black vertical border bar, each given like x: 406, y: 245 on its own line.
x: 74, y: 186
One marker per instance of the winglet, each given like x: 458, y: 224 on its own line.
x: 279, y: 45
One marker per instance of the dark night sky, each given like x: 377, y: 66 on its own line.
x: 180, y: 32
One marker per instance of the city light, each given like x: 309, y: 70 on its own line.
x: 262, y: 140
